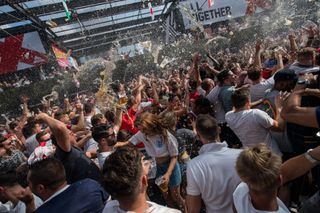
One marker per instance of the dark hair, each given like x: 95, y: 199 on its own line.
x: 223, y: 75
x: 110, y: 116
x: 59, y: 114
x: 193, y: 84
x: 8, y: 178
x: 123, y: 136
x: 205, y: 85
x: 48, y: 172
x: 101, y: 131
x: 254, y: 74
x: 22, y: 174
x: 39, y: 135
x: 95, y: 119
x: 202, y: 105
x: 2, y: 139
x: 13, y: 124
x: 285, y: 74
x: 122, y: 171
x: 115, y: 86
x: 207, y: 127
x: 27, y: 130
x: 172, y: 96
x: 318, y: 59
x: 240, y: 97
x: 87, y: 107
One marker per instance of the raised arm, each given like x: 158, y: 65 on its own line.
x: 280, y: 65
x: 210, y: 69
x: 279, y: 123
x: 293, y: 48
x: 138, y: 97
x: 215, y: 62
x: 294, y: 113
x: 25, y: 112
x: 118, y: 119
x: 197, y: 77
x: 80, y: 126
x: 58, y: 129
x: 155, y: 92
x: 66, y: 105
x: 311, y: 34
x: 298, y: 166
x: 257, y: 56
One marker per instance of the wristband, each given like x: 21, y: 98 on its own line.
x: 310, y: 158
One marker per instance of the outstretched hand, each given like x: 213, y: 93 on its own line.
x: 258, y: 45
x: 281, y: 100
x: 196, y: 57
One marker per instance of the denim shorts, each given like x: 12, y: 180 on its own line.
x: 175, y: 178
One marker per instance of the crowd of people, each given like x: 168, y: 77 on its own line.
x: 25, y: 78
x: 13, y: 82
x: 232, y: 132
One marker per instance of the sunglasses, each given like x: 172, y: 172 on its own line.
x: 109, y: 135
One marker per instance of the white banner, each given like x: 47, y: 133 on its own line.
x: 197, y: 12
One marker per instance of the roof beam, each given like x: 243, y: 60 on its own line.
x: 114, y: 27
x: 34, y: 19
x: 111, y: 38
x: 84, y: 9
x: 122, y: 31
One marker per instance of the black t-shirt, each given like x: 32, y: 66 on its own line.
x: 77, y: 165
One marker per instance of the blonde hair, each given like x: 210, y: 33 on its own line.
x: 150, y: 125
x: 169, y: 121
x: 259, y: 168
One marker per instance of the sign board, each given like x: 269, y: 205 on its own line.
x: 21, y: 52
x: 198, y: 11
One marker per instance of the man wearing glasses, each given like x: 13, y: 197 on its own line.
x: 105, y: 135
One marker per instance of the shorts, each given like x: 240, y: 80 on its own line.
x: 175, y: 178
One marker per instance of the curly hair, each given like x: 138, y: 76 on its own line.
x: 150, y: 125
x: 122, y: 171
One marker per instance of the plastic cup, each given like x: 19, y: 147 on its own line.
x: 161, y: 184
x: 123, y: 100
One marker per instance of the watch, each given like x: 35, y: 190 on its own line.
x: 310, y: 158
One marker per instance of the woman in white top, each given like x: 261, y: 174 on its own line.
x: 161, y: 145
x: 259, y: 169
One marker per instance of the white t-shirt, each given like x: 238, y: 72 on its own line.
x: 20, y: 207
x: 102, y: 158
x: 87, y: 121
x: 113, y: 207
x: 252, y: 127
x: 242, y: 202
x: 213, y: 97
x: 212, y: 175
x: 155, y: 145
x: 257, y: 91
